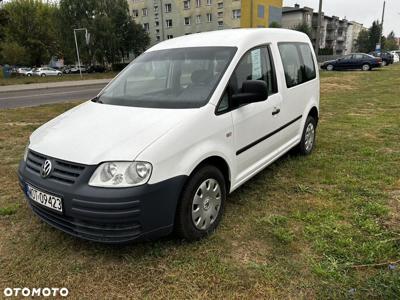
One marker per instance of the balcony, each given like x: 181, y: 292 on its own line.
x: 331, y: 26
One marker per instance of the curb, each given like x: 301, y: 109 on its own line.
x: 49, y: 85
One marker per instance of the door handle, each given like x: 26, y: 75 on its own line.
x: 276, y: 111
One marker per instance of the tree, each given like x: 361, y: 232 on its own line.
x: 375, y: 32
x: 303, y: 27
x: 390, y: 42
x: 13, y: 54
x: 362, y: 42
x: 30, y: 26
x: 114, y: 34
x: 275, y: 24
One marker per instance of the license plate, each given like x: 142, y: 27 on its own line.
x: 45, y: 199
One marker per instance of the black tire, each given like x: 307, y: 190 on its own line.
x: 29, y: 75
x: 384, y: 63
x: 303, y: 149
x: 184, y: 224
x: 43, y: 75
x: 59, y: 74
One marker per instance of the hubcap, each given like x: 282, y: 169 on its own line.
x: 206, y: 204
x: 330, y: 68
x: 366, y: 67
x: 309, y: 138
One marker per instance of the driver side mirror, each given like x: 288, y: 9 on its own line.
x: 252, y: 91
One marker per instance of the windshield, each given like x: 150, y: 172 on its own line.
x: 172, y: 78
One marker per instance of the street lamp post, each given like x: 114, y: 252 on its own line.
x: 77, y: 48
x: 318, y: 33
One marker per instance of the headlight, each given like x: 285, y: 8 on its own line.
x: 121, y: 174
x: 26, y: 152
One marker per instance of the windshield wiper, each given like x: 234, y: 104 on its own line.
x: 97, y: 100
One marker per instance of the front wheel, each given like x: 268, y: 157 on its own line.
x: 59, y: 74
x: 43, y: 75
x: 202, y: 204
x: 384, y: 63
x: 329, y: 68
x: 307, y: 142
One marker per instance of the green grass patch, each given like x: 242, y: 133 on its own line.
x: 323, y: 226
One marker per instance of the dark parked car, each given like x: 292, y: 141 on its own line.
x: 387, y: 57
x: 96, y: 69
x: 361, y: 61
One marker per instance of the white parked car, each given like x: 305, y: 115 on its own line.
x: 396, y: 57
x: 46, y: 71
x: 184, y: 125
x: 25, y: 71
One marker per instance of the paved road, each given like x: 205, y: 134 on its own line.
x: 13, y: 99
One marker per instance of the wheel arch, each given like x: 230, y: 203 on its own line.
x: 314, y: 113
x: 218, y: 162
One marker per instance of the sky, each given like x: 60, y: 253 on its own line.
x: 362, y: 11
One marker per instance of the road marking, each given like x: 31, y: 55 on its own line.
x: 51, y: 94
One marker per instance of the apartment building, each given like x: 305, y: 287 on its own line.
x: 165, y: 19
x: 337, y: 34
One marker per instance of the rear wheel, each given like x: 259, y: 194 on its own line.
x: 384, y: 63
x: 307, y: 142
x: 59, y: 74
x: 329, y: 68
x: 29, y: 75
x: 366, y: 67
x: 43, y: 75
x: 202, y: 204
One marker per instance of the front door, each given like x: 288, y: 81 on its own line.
x: 255, y: 123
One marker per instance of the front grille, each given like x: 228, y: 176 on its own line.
x: 64, y: 172
x: 106, y: 233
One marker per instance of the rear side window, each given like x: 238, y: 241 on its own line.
x: 298, y: 63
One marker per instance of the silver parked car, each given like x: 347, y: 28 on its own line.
x: 25, y: 71
x: 46, y: 71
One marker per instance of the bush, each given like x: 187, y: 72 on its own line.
x: 119, y: 67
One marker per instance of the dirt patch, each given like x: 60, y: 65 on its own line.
x: 335, y: 84
x: 394, y: 216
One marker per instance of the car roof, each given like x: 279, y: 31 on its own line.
x: 240, y: 38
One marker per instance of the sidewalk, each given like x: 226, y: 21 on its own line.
x: 48, y: 85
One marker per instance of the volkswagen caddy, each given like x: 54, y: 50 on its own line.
x: 164, y: 143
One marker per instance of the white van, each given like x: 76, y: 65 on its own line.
x: 184, y: 125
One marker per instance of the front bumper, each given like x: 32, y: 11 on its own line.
x: 106, y: 215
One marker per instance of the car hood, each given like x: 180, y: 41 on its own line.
x: 92, y: 133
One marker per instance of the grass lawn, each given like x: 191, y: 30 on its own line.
x: 302, y: 228
x: 65, y: 77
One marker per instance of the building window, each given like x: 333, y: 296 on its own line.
x: 186, y: 4
x: 157, y: 23
x: 187, y: 20
x: 220, y: 23
x: 168, y: 7
x: 209, y: 2
x: 236, y: 13
x: 209, y: 17
x: 220, y: 5
x: 155, y: 8
x: 220, y: 14
x: 198, y: 3
x: 145, y: 12
x: 198, y: 19
x: 158, y: 38
x: 146, y: 27
x: 261, y: 11
x: 170, y: 36
x: 168, y: 23
x: 135, y: 13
